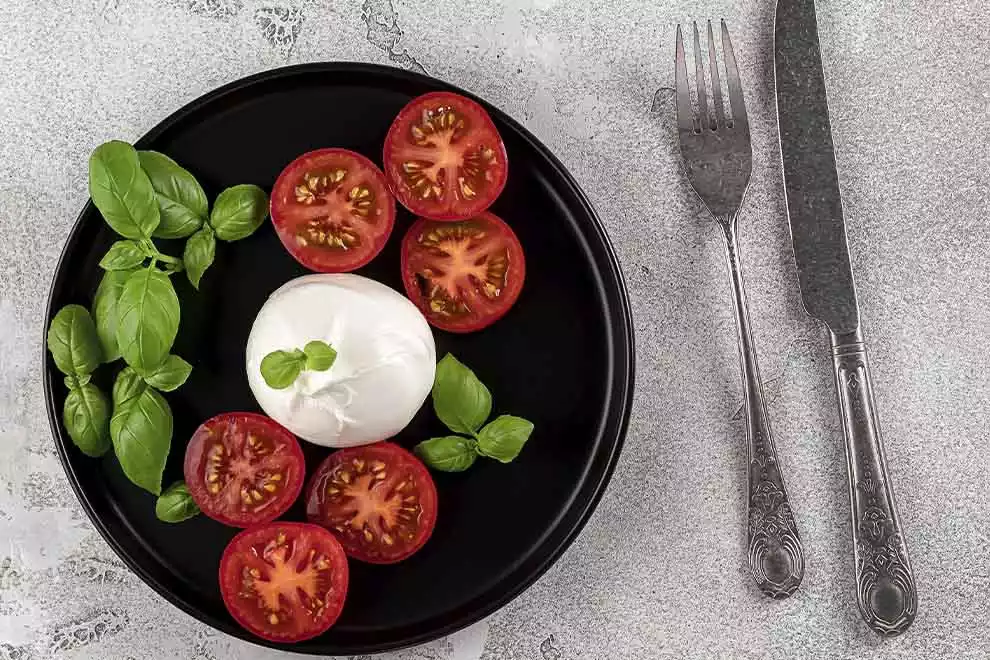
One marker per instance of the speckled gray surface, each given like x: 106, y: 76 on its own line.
x: 660, y: 569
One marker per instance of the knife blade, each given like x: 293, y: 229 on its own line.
x: 811, y: 183
x: 885, y: 587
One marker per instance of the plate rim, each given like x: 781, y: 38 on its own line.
x: 619, y: 329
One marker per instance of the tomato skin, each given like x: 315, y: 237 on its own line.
x: 484, y: 133
x: 284, y: 206
x: 402, y: 470
x: 241, y: 555
x: 411, y: 261
x: 284, y: 458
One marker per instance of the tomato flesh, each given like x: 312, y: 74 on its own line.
x: 284, y: 582
x: 332, y: 210
x: 444, y: 158
x: 463, y: 275
x: 243, y: 468
x: 378, y: 500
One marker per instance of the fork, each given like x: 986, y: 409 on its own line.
x: 718, y: 158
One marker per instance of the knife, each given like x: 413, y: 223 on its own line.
x: 885, y: 586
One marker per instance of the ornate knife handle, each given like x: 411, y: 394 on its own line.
x: 776, y: 556
x: 885, y: 589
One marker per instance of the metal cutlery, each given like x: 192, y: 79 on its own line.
x: 718, y: 158
x: 885, y: 586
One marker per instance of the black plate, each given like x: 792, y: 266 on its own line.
x: 562, y: 357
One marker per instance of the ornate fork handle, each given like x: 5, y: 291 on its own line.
x: 885, y: 588
x: 776, y: 557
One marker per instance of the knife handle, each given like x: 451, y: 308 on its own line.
x: 776, y: 556
x: 885, y: 587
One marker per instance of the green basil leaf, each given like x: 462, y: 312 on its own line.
x: 176, y: 504
x: 86, y: 415
x: 126, y: 386
x: 281, y: 368
x: 461, y: 401
x: 503, y: 438
x: 71, y: 382
x: 122, y: 191
x: 73, y: 341
x: 181, y: 200
x: 123, y: 255
x: 141, y: 431
x: 148, y: 319
x: 452, y: 453
x: 238, y: 212
x: 172, y: 373
x: 320, y: 356
x: 80, y: 380
x: 105, y: 311
x: 198, y: 254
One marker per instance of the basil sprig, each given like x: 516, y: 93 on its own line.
x: 463, y: 403
x: 136, y: 312
x: 75, y: 348
x: 281, y: 368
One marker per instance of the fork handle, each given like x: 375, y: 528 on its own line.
x: 776, y: 556
x: 885, y: 588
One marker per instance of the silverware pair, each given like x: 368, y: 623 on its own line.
x: 717, y: 156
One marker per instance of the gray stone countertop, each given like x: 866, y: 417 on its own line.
x: 660, y: 571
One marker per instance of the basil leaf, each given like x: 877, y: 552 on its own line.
x: 170, y: 375
x: 198, y: 254
x: 149, y: 319
x: 461, y: 401
x: 238, y: 212
x: 281, y: 368
x: 73, y: 341
x: 181, y: 200
x: 105, y: 311
x: 122, y: 191
x: 72, y: 382
x: 176, y: 504
x: 127, y: 385
x: 503, y: 438
x: 320, y: 356
x: 86, y: 415
x: 123, y: 255
x: 452, y: 453
x: 141, y: 431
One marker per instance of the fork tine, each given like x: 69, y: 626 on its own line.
x: 685, y: 119
x: 732, y: 81
x: 703, y: 116
x: 716, y: 82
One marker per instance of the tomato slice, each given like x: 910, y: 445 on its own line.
x: 284, y: 582
x: 379, y: 500
x: 244, y: 468
x: 444, y: 158
x: 332, y: 210
x: 463, y: 275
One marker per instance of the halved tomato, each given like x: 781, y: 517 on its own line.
x: 284, y: 582
x: 444, y: 158
x: 244, y: 468
x: 463, y: 275
x: 332, y: 210
x: 379, y: 500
